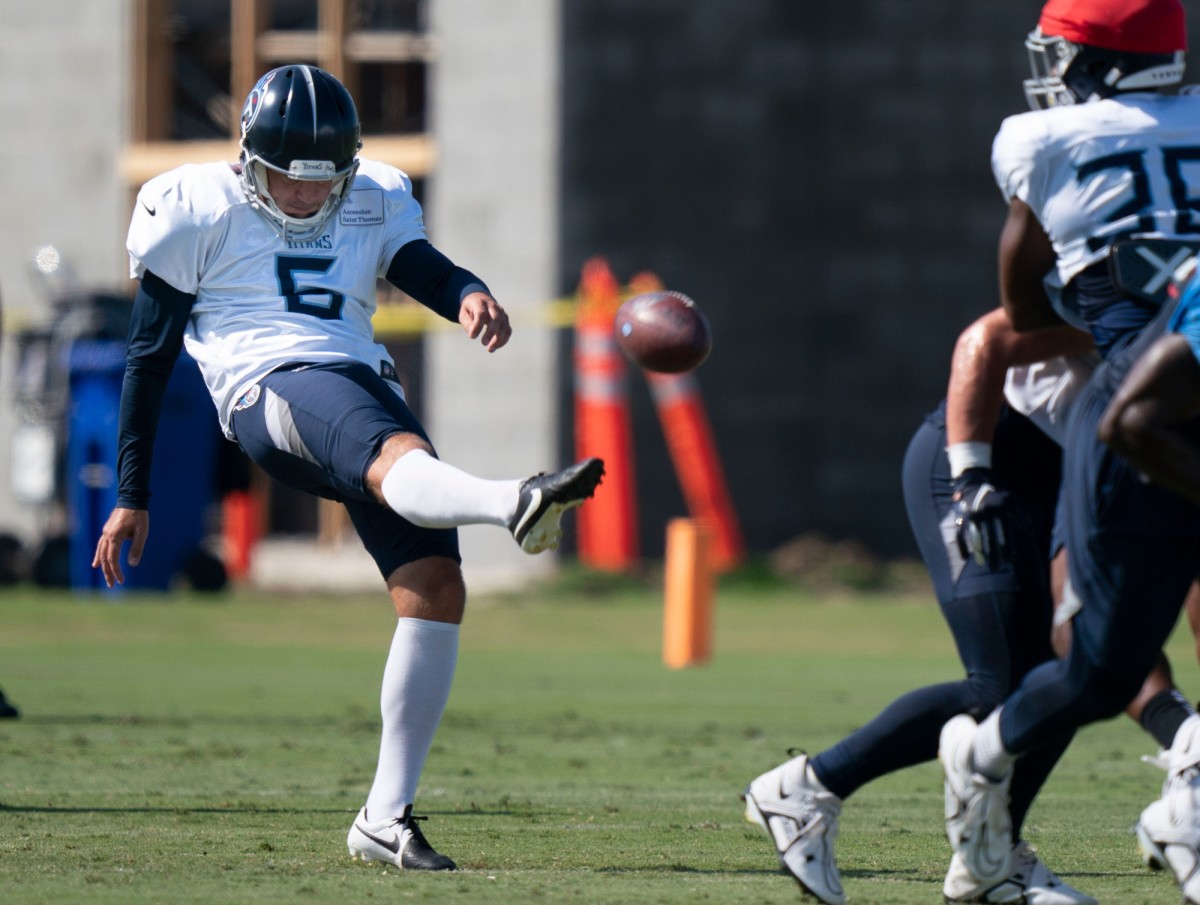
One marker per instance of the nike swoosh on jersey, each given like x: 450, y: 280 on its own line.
x: 149, y: 210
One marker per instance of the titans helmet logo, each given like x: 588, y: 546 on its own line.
x: 254, y: 101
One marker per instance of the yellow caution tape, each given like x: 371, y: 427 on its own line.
x: 408, y: 319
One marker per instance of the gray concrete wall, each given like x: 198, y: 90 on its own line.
x: 493, y: 206
x: 816, y: 176
x: 63, y: 95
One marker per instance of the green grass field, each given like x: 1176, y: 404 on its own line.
x: 190, y: 750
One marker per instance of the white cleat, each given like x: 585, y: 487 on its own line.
x: 1168, y: 838
x: 801, y: 817
x: 978, y: 823
x: 1029, y: 882
x: 1168, y: 831
x: 397, y: 840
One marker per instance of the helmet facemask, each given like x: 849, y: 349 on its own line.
x: 1065, y: 72
x: 1049, y: 57
x: 254, y: 181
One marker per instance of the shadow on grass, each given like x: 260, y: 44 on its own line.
x: 240, y: 809
x: 133, y: 719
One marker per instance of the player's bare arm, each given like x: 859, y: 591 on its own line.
x: 123, y: 525
x: 484, y: 319
x: 1143, y: 422
x: 1026, y: 255
x: 982, y: 356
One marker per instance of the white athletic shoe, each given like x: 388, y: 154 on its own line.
x: 978, y: 823
x: 1168, y: 834
x: 397, y: 840
x: 1029, y: 882
x: 1168, y: 831
x: 802, y: 820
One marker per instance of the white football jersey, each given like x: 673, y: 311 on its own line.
x: 261, y: 301
x: 1043, y: 391
x: 1095, y: 172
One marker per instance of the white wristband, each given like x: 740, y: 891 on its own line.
x: 968, y: 455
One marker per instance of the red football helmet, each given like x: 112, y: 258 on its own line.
x: 1085, y: 50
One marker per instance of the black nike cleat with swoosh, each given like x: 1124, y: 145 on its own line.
x: 397, y: 841
x: 544, y: 498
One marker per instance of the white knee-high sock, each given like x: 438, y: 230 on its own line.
x: 416, y: 686
x: 432, y: 494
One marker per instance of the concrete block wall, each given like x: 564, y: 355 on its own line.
x: 63, y: 89
x: 817, y: 176
x: 493, y: 207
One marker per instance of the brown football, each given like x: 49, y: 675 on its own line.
x: 663, y: 331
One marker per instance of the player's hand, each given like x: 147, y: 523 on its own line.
x: 131, y: 525
x: 484, y: 319
x: 981, y: 518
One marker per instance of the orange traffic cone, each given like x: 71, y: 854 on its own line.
x: 608, y: 523
x: 690, y: 442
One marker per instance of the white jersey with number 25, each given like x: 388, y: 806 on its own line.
x: 1095, y: 172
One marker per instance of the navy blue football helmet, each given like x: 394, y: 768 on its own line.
x: 300, y: 121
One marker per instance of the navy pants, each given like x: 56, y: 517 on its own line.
x: 1000, y: 619
x: 1133, y: 550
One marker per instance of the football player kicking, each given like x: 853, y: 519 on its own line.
x: 1111, y: 157
x: 265, y: 271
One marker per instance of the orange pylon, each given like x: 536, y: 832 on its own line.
x: 687, y: 594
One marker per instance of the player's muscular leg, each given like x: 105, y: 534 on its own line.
x: 392, y: 449
x: 431, y: 588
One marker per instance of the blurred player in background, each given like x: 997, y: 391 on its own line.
x: 1102, y: 157
x: 266, y: 272
x: 992, y: 583
x: 7, y: 709
x: 988, y: 370
x: 1153, y: 424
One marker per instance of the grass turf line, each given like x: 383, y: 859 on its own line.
x: 185, y: 750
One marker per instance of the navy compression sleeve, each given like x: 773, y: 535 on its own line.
x: 160, y: 315
x: 432, y: 279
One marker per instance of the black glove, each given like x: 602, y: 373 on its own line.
x: 981, y: 518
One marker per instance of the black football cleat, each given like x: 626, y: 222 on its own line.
x: 544, y: 498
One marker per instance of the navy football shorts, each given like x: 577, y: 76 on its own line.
x: 1132, y: 548
x: 318, y: 427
